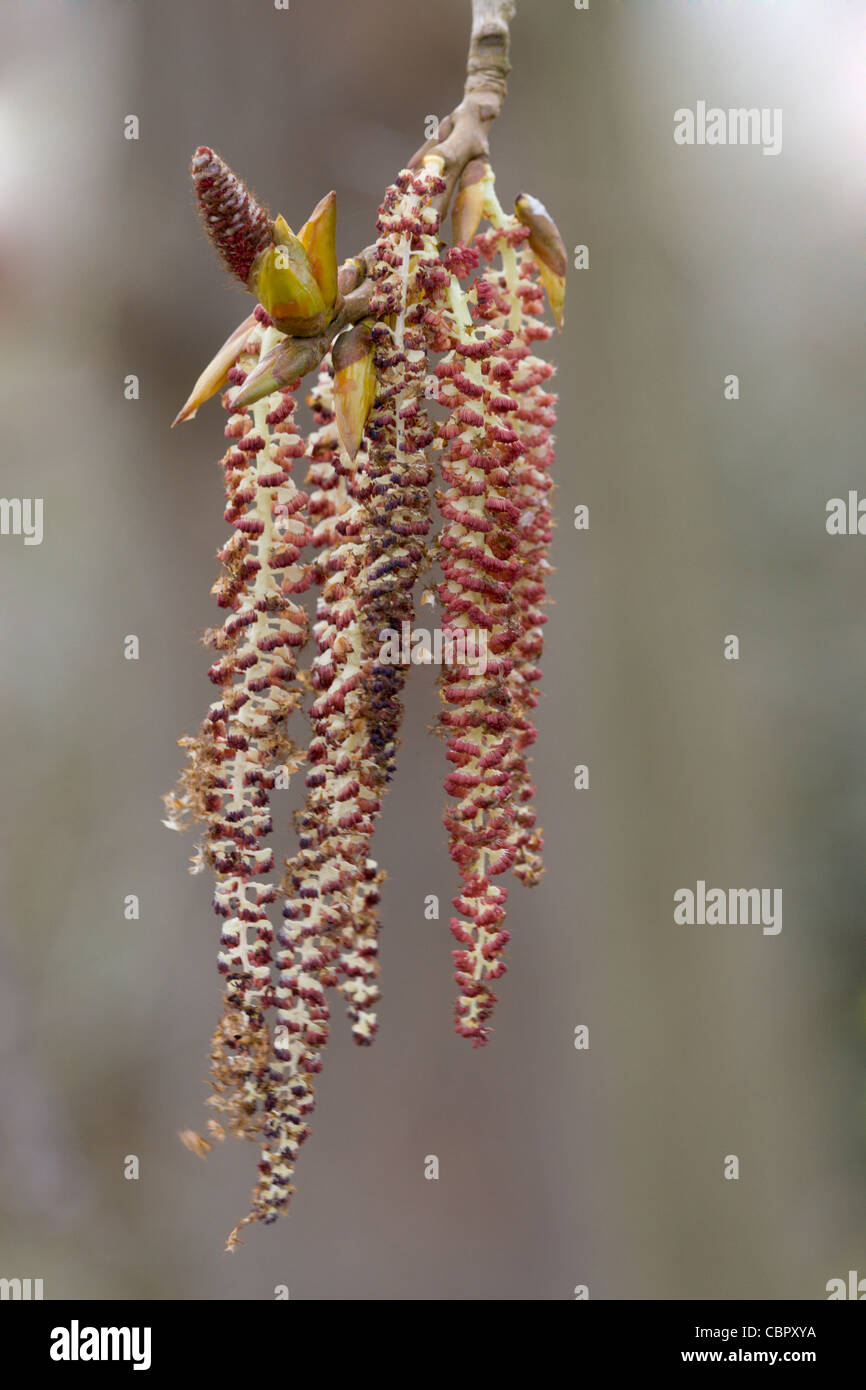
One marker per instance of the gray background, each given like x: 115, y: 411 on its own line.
x: 707, y: 518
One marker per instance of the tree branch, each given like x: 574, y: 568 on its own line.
x: 463, y: 135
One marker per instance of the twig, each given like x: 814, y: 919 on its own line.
x: 462, y: 136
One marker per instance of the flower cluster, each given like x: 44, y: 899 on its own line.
x: 244, y: 742
x: 409, y: 321
x: 495, y: 529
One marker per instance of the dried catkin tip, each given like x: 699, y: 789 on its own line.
x: 194, y: 1142
x: 360, y: 509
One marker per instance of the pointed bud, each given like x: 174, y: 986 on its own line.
x: 281, y: 231
x: 318, y: 236
x: 350, y: 275
x: 215, y: 374
x: 196, y: 1143
x: 238, y: 227
x: 468, y: 205
x: 547, y: 247
x: 354, y: 384
x: 283, y: 282
x: 285, y: 363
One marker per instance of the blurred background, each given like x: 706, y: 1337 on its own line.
x: 707, y: 518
